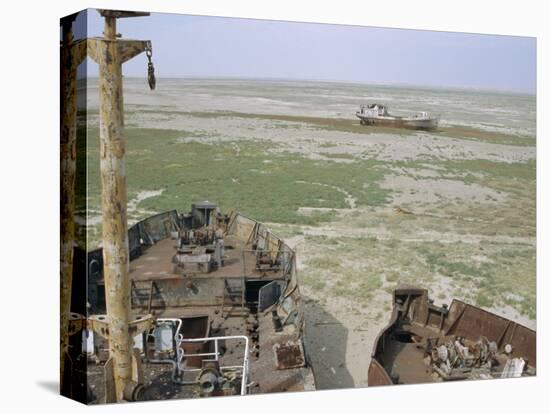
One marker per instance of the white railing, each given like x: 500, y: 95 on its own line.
x: 178, y: 337
x: 216, y: 354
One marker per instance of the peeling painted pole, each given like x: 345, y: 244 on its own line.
x: 113, y: 206
x: 71, y: 55
x: 110, y: 53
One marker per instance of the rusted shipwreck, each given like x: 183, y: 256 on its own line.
x: 178, y: 305
x: 426, y: 343
x: 225, y: 305
x: 377, y: 114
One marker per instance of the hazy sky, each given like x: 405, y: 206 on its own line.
x: 195, y: 46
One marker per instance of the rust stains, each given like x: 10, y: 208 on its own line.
x: 289, y: 354
x: 428, y: 343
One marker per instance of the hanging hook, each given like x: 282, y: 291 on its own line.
x: 150, y: 68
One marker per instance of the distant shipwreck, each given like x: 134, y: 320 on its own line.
x: 377, y: 114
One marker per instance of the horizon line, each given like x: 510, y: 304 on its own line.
x: 350, y: 82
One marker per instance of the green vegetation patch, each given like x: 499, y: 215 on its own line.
x: 482, y: 274
x: 493, y: 169
x: 488, y: 271
x: 235, y: 175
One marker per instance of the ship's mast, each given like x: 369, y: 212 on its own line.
x: 112, y: 144
x: 110, y: 53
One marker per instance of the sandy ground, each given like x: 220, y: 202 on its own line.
x: 309, y: 141
x: 340, y: 331
x: 409, y: 190
x: 339, y: 335
x: 339, y: 340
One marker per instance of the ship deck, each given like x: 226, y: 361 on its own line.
x: 223, y: 302
x: 263, y: 377
x: 155, y: 264
x: 239, y: 261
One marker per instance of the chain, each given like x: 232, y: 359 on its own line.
x: 150, y: 68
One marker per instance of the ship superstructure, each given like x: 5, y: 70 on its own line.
x: 222, y: 294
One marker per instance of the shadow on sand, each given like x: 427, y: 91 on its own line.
x: 326, y: 342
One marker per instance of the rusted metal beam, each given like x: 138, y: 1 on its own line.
x: 130, y: 48
x: 71, y: 55
x: 132, y: 387
x: 150, y: 301
x: 93, y: 48
x: 127, y: 49
x: 114, y: 207
x: 117, y: 14
x: 100, y: 324
x: 110, y: 53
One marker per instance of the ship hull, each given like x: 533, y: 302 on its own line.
x: 407, y: 350
x: 427, y: 124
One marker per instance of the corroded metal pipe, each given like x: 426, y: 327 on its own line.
x: 67, y: 199
x: 114, y: 207
x: 71, y: 55
x: 110, y: 53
